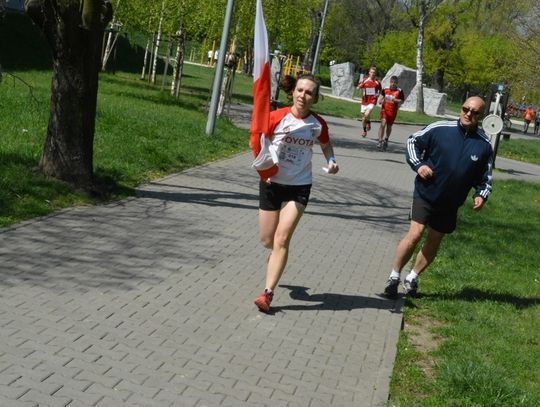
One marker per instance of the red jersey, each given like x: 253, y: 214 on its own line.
x: 528, y: 114
x: 372, y: 88
x: 389, y: 105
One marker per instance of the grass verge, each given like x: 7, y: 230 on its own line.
x: 521, y: 150
x: 141, y: 134
x: 471, y: 337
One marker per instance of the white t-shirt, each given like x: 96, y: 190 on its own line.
x: 294, y: 138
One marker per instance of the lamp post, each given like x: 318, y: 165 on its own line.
x: 218, y: 77
x: 316, y: 57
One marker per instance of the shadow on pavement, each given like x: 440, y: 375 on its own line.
x: 202, y: 196
x: 334, y: 302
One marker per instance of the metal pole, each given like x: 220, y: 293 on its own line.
x: 319, y: 38
x: 218, y: 77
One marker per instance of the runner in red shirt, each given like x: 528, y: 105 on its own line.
x: 528, y: 116
x: 391, y: 99
x: 371, y: 89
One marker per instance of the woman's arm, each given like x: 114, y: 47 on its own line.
x: 328, y: 152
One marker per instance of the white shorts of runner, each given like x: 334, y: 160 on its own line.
x: 366, y: 108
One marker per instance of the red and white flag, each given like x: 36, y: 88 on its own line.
x: 261, y: 83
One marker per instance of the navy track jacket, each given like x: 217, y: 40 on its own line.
x: 459, y: 162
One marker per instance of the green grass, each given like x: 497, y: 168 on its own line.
x: 520, y: 149
x: 480, y: 303
x: 141, y: 134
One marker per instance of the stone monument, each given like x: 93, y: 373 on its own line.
x: 406, y: 78
x: 342, y: 79
x: 435, y: 103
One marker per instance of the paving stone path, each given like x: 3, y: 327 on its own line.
x: 149, y: 301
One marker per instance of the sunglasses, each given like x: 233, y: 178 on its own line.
x: 467, y: 110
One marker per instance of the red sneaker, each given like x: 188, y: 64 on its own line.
x: 263, y: 301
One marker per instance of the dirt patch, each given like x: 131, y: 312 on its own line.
x: 421, y: 336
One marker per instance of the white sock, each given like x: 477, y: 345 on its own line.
x: 268, y: 290
x: 411, y: 276
x: 394, y: 274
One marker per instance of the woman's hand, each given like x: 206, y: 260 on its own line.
x: 333, y: 168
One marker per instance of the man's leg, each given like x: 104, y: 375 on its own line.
x: 366, y: 124
x: 424, y: 258
x: 406, y: 246
x: 368, y: 120
x: 363, y: 116
x: 382, y: 130
x: 403, y: 254
x: 429, y: 250
x: 388, y: 132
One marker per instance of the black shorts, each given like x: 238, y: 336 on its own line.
x: 272, y: 196
x: 441, y: 220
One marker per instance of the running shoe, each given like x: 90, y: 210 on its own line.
x: 411, y: 287
x: 391, y: 288
x: 364, y: 133
x: 380, y: 145
x: 385, y: 145
x: 263, y: 301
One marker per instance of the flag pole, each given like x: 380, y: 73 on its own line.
x: 218, y: 77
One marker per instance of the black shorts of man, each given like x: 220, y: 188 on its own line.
x: 450, y: 158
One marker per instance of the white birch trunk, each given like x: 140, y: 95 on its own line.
x: 177, y: 72
x: 145, y: 62
x: 110, y: 41
x: 420, y: 58
x: 158, y: 40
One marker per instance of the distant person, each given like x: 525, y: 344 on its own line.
x: 283, y: 196
x: 371, y: 89
x: 450, y: 158
x: 391, y: 99
x: 537, y: 123
x: 209, y: 60
x: 528, y: 116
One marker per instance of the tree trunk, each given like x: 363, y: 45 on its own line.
x: 167, y: 59
x: 112, y: 36
x: 76, y: 41
x: 178, y: 66
x: 145, y: 61
x: 438, y: 80
x: 420, y: 59
x: 156, y: 45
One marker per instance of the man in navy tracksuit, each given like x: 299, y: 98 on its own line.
x: 450, y: 158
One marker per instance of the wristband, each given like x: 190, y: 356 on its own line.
x: 331, y: 158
